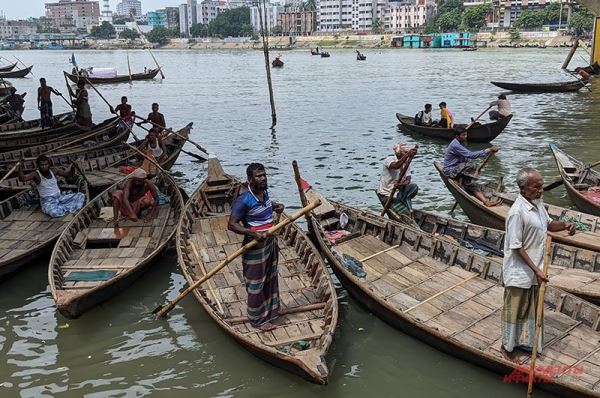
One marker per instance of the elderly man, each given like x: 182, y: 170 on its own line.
x: 137, y: 195
x: 460, y: 164
x: 406, y: 190
x: 524, y: 245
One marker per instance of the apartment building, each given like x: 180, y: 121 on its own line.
x: 358, y: 15
x: 68, y: 15
x: 407, y: 16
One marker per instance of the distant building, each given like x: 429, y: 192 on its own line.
x: 506, y: 12
x: 127, y: 7
x: 106, y: 14
x: 69, y: 15
x: 358, y: 15
x: 271, y: 12
x: 184, y: 28
x: 119, y: 28
x: 10, y: 29
x: 192, y: 14
x: 208, y: 10
x: 407, y: 16
x: 172, y: 16
x: 157, y: 18
x: 298, y: 22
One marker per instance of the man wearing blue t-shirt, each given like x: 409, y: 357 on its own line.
x: 251, y: 216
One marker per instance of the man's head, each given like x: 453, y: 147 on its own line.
x: 155, y: 107
x: 13, y: 90
x: 531, y: 183
x: 80, y: 83
x: 139, y: 174
x: 400, y: 149
x: 123, y: 100
x: 257, y: 176
x: 442, y: 105
x: 428, y: 108
x: 461, y: 134
x: 153, y: 133
x: 43, y: 82
x: 43, y: 163
x: 502, y: 96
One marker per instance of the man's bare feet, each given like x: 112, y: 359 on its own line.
x: 509, y: 356
x: 492, y: 202
x: 265, y: 327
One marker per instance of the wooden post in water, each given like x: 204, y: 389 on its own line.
x: 265, y: 40
x: 574, y: 46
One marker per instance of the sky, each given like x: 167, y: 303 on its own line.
x: 22, y: 9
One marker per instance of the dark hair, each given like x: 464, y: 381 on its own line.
x: 458, y: 131
x: 42, y: 79
x: 502, y: 96
x: 154, y: 103
x: 442, y: 103
x: 40, y: 159
x: 81, y: 82
x: 427, y: 105
x: 252, y: 167
x: 123, y: 98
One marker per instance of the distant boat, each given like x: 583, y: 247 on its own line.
x: 325, y: 54
x: 470, y: 49
x: 277, y: 63
x: 55, y: 46
x: 554, y: 87
x: 360, y: 57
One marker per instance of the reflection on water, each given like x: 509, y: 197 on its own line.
x: 336, y: 117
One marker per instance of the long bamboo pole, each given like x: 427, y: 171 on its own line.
x: 407, y: 159
x: 162, y: 75
x: 265, y: 40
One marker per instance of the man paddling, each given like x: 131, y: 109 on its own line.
x: 124, y: 110
x: 251, y: 215
x: 504, y: 108
x: 406, y: 190
x: 138, y: 194
x: 45, y: 103
x: 526, y: 226
x: 157, y: 118
x: 83, y: 115
x: 460, y: 164
x: 16, y: 103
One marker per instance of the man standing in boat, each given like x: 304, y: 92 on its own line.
x: 251, y: 216
x: 406, y: 190
x: 156, y: 118
x: 504, y: 108
x: 526, y: 226
x: 45, y: 103
x: 83, y: 115
x: 460, y: 164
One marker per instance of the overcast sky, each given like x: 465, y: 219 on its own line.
x: 21, y: 9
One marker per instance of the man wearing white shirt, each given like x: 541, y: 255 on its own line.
x: 406, y: 190
x: 527, y: 225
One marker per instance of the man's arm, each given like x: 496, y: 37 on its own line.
x: 126, y: 203
x: 395, y: 165
x: 514, y: 237
x: 61, y: 171
x: 155, y: 194
x: 27, y: 177
x: 557, y: 226
x: 235, y: 222
x: 39, y: 97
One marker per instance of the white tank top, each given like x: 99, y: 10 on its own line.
x: 47, y: 186
x: 156, y: 150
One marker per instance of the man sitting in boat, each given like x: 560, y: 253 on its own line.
x: 446, y: 117
x: 406, y: 190
x: 251, y: 215
x: 504, y: 108
x: 52, y: 201
x: 423, y: 118
x: 460, y: 164
x: 138, y: 194
x: 124, y: 110
x: 16, y: 102
x: 527, y: 225
x: 154, y: 147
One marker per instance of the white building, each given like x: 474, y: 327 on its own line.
x: 271, y: 12
x: 192, y: 14
x: 405, y: 16
x: 127, y: 7
x: 359, y: 15
x: 208, y: 10
x: 184, y: 29
x: 119, y: 28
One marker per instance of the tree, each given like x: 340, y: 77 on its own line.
x: 129, y: 34
x: 473, y: 17
x: 530, y: 19
x: 546, y: 16
x: 199, y: 30
x: 104, y: 31
x: 277, y: 30
x: 159, y: 35
x: 514, y: 34
x: 246, y: 30
x: 377, y: 26
x: 449, y: 21
x: 450, y: 5
x: 582, y: 21
x: 230, y: 22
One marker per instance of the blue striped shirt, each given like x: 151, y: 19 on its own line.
x: 254, y: 214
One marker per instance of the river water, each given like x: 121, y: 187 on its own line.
x: 336, y: 116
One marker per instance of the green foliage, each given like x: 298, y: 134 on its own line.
x: 449, y: 21
x: 104, y: 31
x: 450, y: 5
x: 473, y: 17
x: 514, y: 34
x: 160, y: 35
x: 378, y: 26
x: 277, y: 30
x: 582, y: 21
x: 546, y: 16
x: 129, y: 34
x: 234, y: 22
x: 199, y: 30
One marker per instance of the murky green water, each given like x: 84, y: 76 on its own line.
x: 336, y: 117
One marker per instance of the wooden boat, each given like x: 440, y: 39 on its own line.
x: 579, y: 180
x: 105, y: 170
x: 8, y: 68
x: 495, y: 217
x: 556, y: 87
x: 7, y: 117
x: 149, y: 75
x: 277, y: 63
x: 360, y: 57
x: 470, y: 49
x: 309, y: 308
x: 106, y: 134
x: 477, y: 133
x: 572, y: 269
x: 33, y: 123
x: 451, y: 298
x: 313, y: 52
x: 93, y: 260
x: 325, y: 54
x: 19, y: 73
x: 27, y: 233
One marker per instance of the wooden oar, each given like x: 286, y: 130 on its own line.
x: 175, y: 133
x: 539, y: 317
x: 593, y: 165
x: 10, y: 171
x: 477, y: 118
x: 162, y: 75
x: 198, y: 157
x: 152, y: 160
x: 303, y: 199
x: 407, y: 159
x: 163, y: 310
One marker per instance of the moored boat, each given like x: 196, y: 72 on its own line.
x: 93, y: 260
x: 581, y: 182
x: 14, y: 74
x: 556, y: 87
x: 309, y: 308
x: 495, y: 216
x: 476, y: 133
x: 8, y: 68
x: 451, y: 298
x: 148, y: 75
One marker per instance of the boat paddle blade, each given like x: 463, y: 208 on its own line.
x: 553, y: 185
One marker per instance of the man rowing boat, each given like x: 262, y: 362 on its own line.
x: 406, y: 190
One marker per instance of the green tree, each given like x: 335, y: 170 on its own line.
x: 450, y: 5
x: 159, y: 35
x: 546, y: 16
x: 246, y: 30
x: 129, y: 34
x: 104, y: 31
x: 514, y: 34
x: 449, y: 21
x: 582, y: 21
x: 473, y: 17
x: 277, y: 30
x: 230, y: 22
x: 530, y: 19
x: 199, y: 30
x: 377, y: 26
